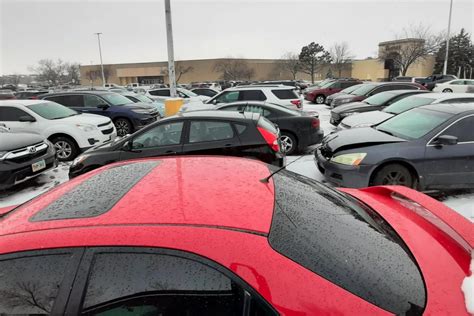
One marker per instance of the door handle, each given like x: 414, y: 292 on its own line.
x: 170, y: 152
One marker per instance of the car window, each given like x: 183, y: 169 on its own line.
x: 407, y: 104
x: 159, y: 284
x: 93, y: 101
x: 457, y: 82
x: 205, y: 131
x: 232, y: 108
x: 240, y: 128
x: 160, y: 93
x: 458, y: 100
x: 70, y: 100
x: 253, y: 108
x: 160, y: 135
x: 462, y: 130
x: 406, y: 87
x: 11, y: 114
x: 252, y: 95
x: 29, y: 285
x: 382, y: 89
x: 285, y: 94
x: 329, y: 233
x: 228, y: 96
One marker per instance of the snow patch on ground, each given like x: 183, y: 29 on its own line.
x: 468, y: 288
x: 463, y: 204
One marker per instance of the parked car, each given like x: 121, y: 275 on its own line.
x: 345, y: 91
x: 31, y: 95
x: 140, y: 98
x: 152, y: 244
x: 376, y: 117
x: 112, y: 85
x: 370, y: 89
x: 376, y: 102
x: 320, y: 94
x: 298, y: 130
x: 6, y: 94
x: 208, y: 92
x: 163, y: 94
x: 194, y: 133
x: 403, y: 79
x: 23, y: 156
x: 126, y: 115
x: 70, y: 132
x: 458, y: 85
x: 428, y: 148
x: 276, y: 94
x: 430, y: 81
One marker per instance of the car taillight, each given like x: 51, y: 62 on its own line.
x: 270, y: 138
x: 296, y: 102
x: 315, y: 123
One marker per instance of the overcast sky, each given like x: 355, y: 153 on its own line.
x: 134, y: 31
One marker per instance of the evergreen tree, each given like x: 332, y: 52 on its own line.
x: 461, y: 54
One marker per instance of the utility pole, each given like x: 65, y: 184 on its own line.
x: 445, y: 68
x: 169, y: 38
x: 100, y: 54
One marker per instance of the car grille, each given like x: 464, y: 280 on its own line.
x: 25, y: 154
x: 107, y: 131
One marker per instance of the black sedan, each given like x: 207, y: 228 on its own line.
x: 298, y: 129
x: 23, y: 156
x: 192, y: 133
x: 429, y: 148
x: 374, y: 103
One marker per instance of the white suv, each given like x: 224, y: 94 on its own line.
x: 277, y: 94
x: 71, y: 132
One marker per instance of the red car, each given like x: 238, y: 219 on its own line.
x: 218, y: 236
x: 320, y: 94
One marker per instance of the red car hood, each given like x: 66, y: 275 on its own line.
x: 440, y: 240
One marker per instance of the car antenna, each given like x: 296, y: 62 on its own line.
x: 266, y: 179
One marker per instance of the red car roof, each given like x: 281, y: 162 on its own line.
x: 175, y: 191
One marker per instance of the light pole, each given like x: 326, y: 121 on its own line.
x: 100, y: 54
x: 445, y: 68
x: 169, y: 37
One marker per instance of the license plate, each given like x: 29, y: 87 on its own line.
x: 38, y: 165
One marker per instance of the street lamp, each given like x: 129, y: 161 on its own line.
x: 169, y: 37
x: 100, y: 54
x: 445, y: 68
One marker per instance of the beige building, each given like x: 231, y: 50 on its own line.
x: 187, y: 71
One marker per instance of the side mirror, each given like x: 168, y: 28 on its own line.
x: 27, y: 118
x: 127, y: 146
x: 446, y: 140
x: 103, y: 106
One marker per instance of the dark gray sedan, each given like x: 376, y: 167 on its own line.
x: 431, y: 147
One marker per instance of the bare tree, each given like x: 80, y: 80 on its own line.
x: 56, y: 72
x: 341, y: 56
x: 420, y: 43
x: 73, y: 74
x: 180, y: 70
x: 290, y: 62
x: 234, y: 69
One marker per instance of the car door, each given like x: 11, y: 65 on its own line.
x: 457, y: 86
x: 211, y: 137
x: 452, y: 165
x: 37, y: 282
x: 14, y: 119
x: 158, y: 140
x: 226, y: 97
x: 73, y: 101
x: 146, y: 281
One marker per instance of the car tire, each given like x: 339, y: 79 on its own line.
x: 123, y: 126
x: 394, y: 174
x: 66, y: 148
x: 319, y: 99
x: 447, y: 90
x: 289, y: 143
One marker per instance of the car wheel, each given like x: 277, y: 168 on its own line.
x: 447, y: 90
x: 319, y: 99
x: 288, y: 143
x: 66, y: 148
x: 394, y: 174
x: 123, y: 127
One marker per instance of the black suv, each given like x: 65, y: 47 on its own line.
x: 431, y: 81
x: 191, y: 133
x: 127, y: 116
x: 23, y: 156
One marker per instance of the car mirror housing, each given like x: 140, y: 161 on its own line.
x: 103, y: 106
x: 446, y: 140
x: 127, y: 146
x: 26, y: 118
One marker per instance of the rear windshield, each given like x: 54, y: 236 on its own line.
x: 285, y: 94
x: 345, y: 242
x: 362, y: 90
x: 380, y: 98
x: 351, y: 88
x: 407, y: 104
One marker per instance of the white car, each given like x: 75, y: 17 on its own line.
x: 458, y: 85
x: 188, y: 96
x: 71, y: 132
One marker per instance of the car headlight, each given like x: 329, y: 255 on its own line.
x: 79, y: 159
x: 341, y: 101
x: 86, y: 127
x: 141, y: 111
x: 349, y: 159
x: 348, y: 114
